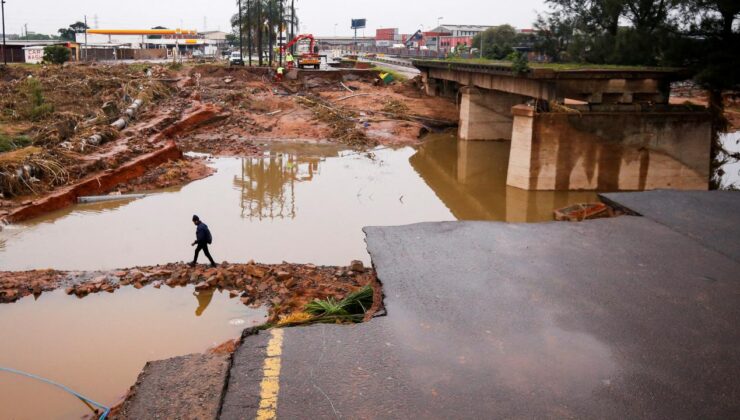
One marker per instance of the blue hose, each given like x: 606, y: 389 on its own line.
x: 87, y: 401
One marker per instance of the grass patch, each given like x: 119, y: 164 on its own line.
x: 174, y: 66
x: 35, y: 106
x: 552, y: 66
x: 10, y: 143
x: 351, y: 309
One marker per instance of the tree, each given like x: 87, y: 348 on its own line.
x: 262, y: 22
x: 68, y: 34
x: 56, y: 54
x: 498, y: 42
x: 554, y: 35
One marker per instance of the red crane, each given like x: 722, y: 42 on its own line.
x: 306, y: 59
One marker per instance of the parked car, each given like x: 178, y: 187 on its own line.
x: 235, y: 59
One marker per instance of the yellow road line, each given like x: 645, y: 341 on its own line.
x: 270, y: 385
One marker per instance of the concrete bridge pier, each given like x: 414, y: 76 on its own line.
x: 610, y: 150
x: 486, y: 114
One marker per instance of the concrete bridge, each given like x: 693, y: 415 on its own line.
x: 594, y: 129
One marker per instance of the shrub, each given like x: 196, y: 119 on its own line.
x: 56, y: 54
x: 8, y: 143
x: 35, y: 106
x: 519, y: 62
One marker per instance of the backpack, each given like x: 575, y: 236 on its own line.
x: 210, y: 237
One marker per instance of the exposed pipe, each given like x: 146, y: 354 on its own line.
x: 119, y: 124
x: 103, y: 198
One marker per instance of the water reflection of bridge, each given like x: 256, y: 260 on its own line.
x: 267, y: 183
x: 470, y: 178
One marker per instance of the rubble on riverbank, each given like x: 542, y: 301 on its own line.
x: 60, y: 125
x: 284, y: 288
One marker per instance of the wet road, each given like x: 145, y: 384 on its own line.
x: 613, y: 318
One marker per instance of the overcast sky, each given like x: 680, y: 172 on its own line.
x: 318, y: 16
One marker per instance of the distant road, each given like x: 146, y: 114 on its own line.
x: 403, y: 66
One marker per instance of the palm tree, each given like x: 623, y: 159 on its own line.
x: 264, y: 23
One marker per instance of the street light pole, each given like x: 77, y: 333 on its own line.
x: 2, y: 7
x: 241, y: 47
x: 85, y: 50
x: 249, y: 33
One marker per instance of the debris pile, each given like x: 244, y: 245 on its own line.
x: 67, y: 114
x: 343, y: 122
x: 15, y: 285
x: 170, y: 174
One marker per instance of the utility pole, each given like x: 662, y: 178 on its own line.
x: 292, y: 25
x: 25, y: 29
x: 259, y: 31
x: 241, y: 46
x: 85, y: 50
x: 2, y: 6
x: 280, y: 31
x: 249, y: 32
x: 270, y: 25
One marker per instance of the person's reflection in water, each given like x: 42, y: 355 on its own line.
x: 204, y: 298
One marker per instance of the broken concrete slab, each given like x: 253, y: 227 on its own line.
x: 242, y: 397
x: 185, y: 387
x: 612, y: 318
x: 710, y: 217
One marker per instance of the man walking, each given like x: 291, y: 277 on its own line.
x: 202, y: 238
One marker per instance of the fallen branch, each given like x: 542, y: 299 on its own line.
x: 352, y: 96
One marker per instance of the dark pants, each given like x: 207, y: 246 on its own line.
x: 204, y: 246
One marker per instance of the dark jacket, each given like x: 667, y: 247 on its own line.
x: 202, y: 234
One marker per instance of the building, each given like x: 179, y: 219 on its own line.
x: 186, y: 41
x: 17, y: 50
x: 460, y: 30
x: 448, y: 36
x: 449, y: 43
x: 327, y: 42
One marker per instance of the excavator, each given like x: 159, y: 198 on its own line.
x: 309, y: 59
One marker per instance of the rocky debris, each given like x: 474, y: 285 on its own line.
x: 283, y: 287
x: 15, y: 285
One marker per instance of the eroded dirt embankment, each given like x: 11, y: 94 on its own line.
x: 69, y: 125
x: 284, y: 288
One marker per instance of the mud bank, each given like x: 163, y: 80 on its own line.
x: 353, y: 109
x: 97, y: 183
x: 206, y: 108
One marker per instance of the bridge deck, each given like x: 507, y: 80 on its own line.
x: 557, y: 71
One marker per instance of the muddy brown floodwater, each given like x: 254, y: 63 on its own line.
x: 301, y: 203
x: 98, y: 345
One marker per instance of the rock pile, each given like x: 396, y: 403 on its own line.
x: 283, y: 287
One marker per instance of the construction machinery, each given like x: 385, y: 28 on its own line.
x: 306, y: 59
x: 417, y: 36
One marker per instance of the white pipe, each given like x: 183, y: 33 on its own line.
x: 102, y: 198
